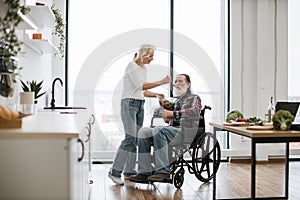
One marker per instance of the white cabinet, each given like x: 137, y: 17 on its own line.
x: 45, y: 160
x: 85, y: 163
x: 38, y: 169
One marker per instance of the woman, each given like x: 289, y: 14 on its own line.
x: 132, y: 111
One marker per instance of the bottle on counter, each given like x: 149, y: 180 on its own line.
x: 271, y: 110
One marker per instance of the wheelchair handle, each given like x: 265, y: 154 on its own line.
x: 202, y: 112
x: 207, y: 107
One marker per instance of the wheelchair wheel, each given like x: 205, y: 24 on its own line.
x: 179, y: 178
x: 202, y: 157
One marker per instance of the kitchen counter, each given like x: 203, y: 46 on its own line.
x: 47, y: 157
x: 44, y: 125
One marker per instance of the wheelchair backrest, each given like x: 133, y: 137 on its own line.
x: 193, y: 135
x: 201, y: 119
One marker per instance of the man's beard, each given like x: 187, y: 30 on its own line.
x: 180, y: 91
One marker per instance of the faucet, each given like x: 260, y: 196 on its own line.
x: 53, y: 84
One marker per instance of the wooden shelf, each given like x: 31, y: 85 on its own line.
x: 26, y: 24
x: 41, y: 16
x: 41, y: 47
x: 38, y: 18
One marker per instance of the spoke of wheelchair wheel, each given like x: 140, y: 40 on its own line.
x: 208, y: 143
x: 198, y: 159
x: 208, y: 169
x: 207, y: 149
x: 202, y: 167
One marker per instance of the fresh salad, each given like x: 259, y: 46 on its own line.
x: 166, y: 104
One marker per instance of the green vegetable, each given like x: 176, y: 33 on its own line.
x: 282, y: 120
x: 233, y: 115
x: 254, y: 120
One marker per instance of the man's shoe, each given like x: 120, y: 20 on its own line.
x: 160, y: 177
x: 127, y: 176
x: 116, y: 180
x: 139, y: 178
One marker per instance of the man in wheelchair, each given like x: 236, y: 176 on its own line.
x: 187, y: 106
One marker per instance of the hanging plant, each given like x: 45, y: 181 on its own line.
x: 10, y: 45
x: 59, y: 29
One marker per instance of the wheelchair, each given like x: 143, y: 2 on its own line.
x: 200, y: 146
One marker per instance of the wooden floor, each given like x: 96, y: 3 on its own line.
x: 233, y: 180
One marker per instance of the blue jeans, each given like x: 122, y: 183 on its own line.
x: 132, y: 114
x: 160, y: 137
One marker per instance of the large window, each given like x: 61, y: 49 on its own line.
x: 98, y: 27
x: 201, y: 21
x: 293, y: 56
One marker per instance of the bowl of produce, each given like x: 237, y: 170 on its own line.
x: 166, y: 103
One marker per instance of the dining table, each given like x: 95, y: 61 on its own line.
x: 258, y: 134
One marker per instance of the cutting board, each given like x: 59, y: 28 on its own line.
x: 236, y: 124
x: 260, y: 128
x: 4, y: 123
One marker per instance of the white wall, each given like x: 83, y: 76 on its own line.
x: 58, y: 63
x: 259, y: 49
x: 45, y: 67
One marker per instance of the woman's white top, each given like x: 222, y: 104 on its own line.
x: 133, y: 80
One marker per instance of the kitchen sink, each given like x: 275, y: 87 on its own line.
x: 63, y: 107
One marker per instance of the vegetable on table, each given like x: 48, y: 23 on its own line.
x: 233, y: 115
x: 241, y: 120
x: 282, y: 120
x: 254, y: 119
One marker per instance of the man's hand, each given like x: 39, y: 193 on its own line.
x: 167, y: 120
x: 167, y: 113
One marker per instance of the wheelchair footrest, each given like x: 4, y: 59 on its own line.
x: 160, y: 177
x: 163, y: 181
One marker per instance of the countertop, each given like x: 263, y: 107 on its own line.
x: 44, y: 125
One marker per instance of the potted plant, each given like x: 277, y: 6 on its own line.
x: 35, y: 87
x: 59, y: 29
x: 10, y: 45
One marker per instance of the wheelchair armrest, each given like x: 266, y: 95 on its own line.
x: 156, y: 117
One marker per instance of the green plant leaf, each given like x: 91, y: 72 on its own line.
x: 32, y: 86
x: 38, y: 96
x: 24, y: 87
x: 39, y: 85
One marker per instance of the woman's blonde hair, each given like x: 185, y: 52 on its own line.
x: 144, y: 50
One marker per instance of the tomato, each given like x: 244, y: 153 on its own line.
x: 241, y: 120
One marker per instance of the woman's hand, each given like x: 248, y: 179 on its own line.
x: 150, y: 85
x: 166, y: 80
x: 160, y: 96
